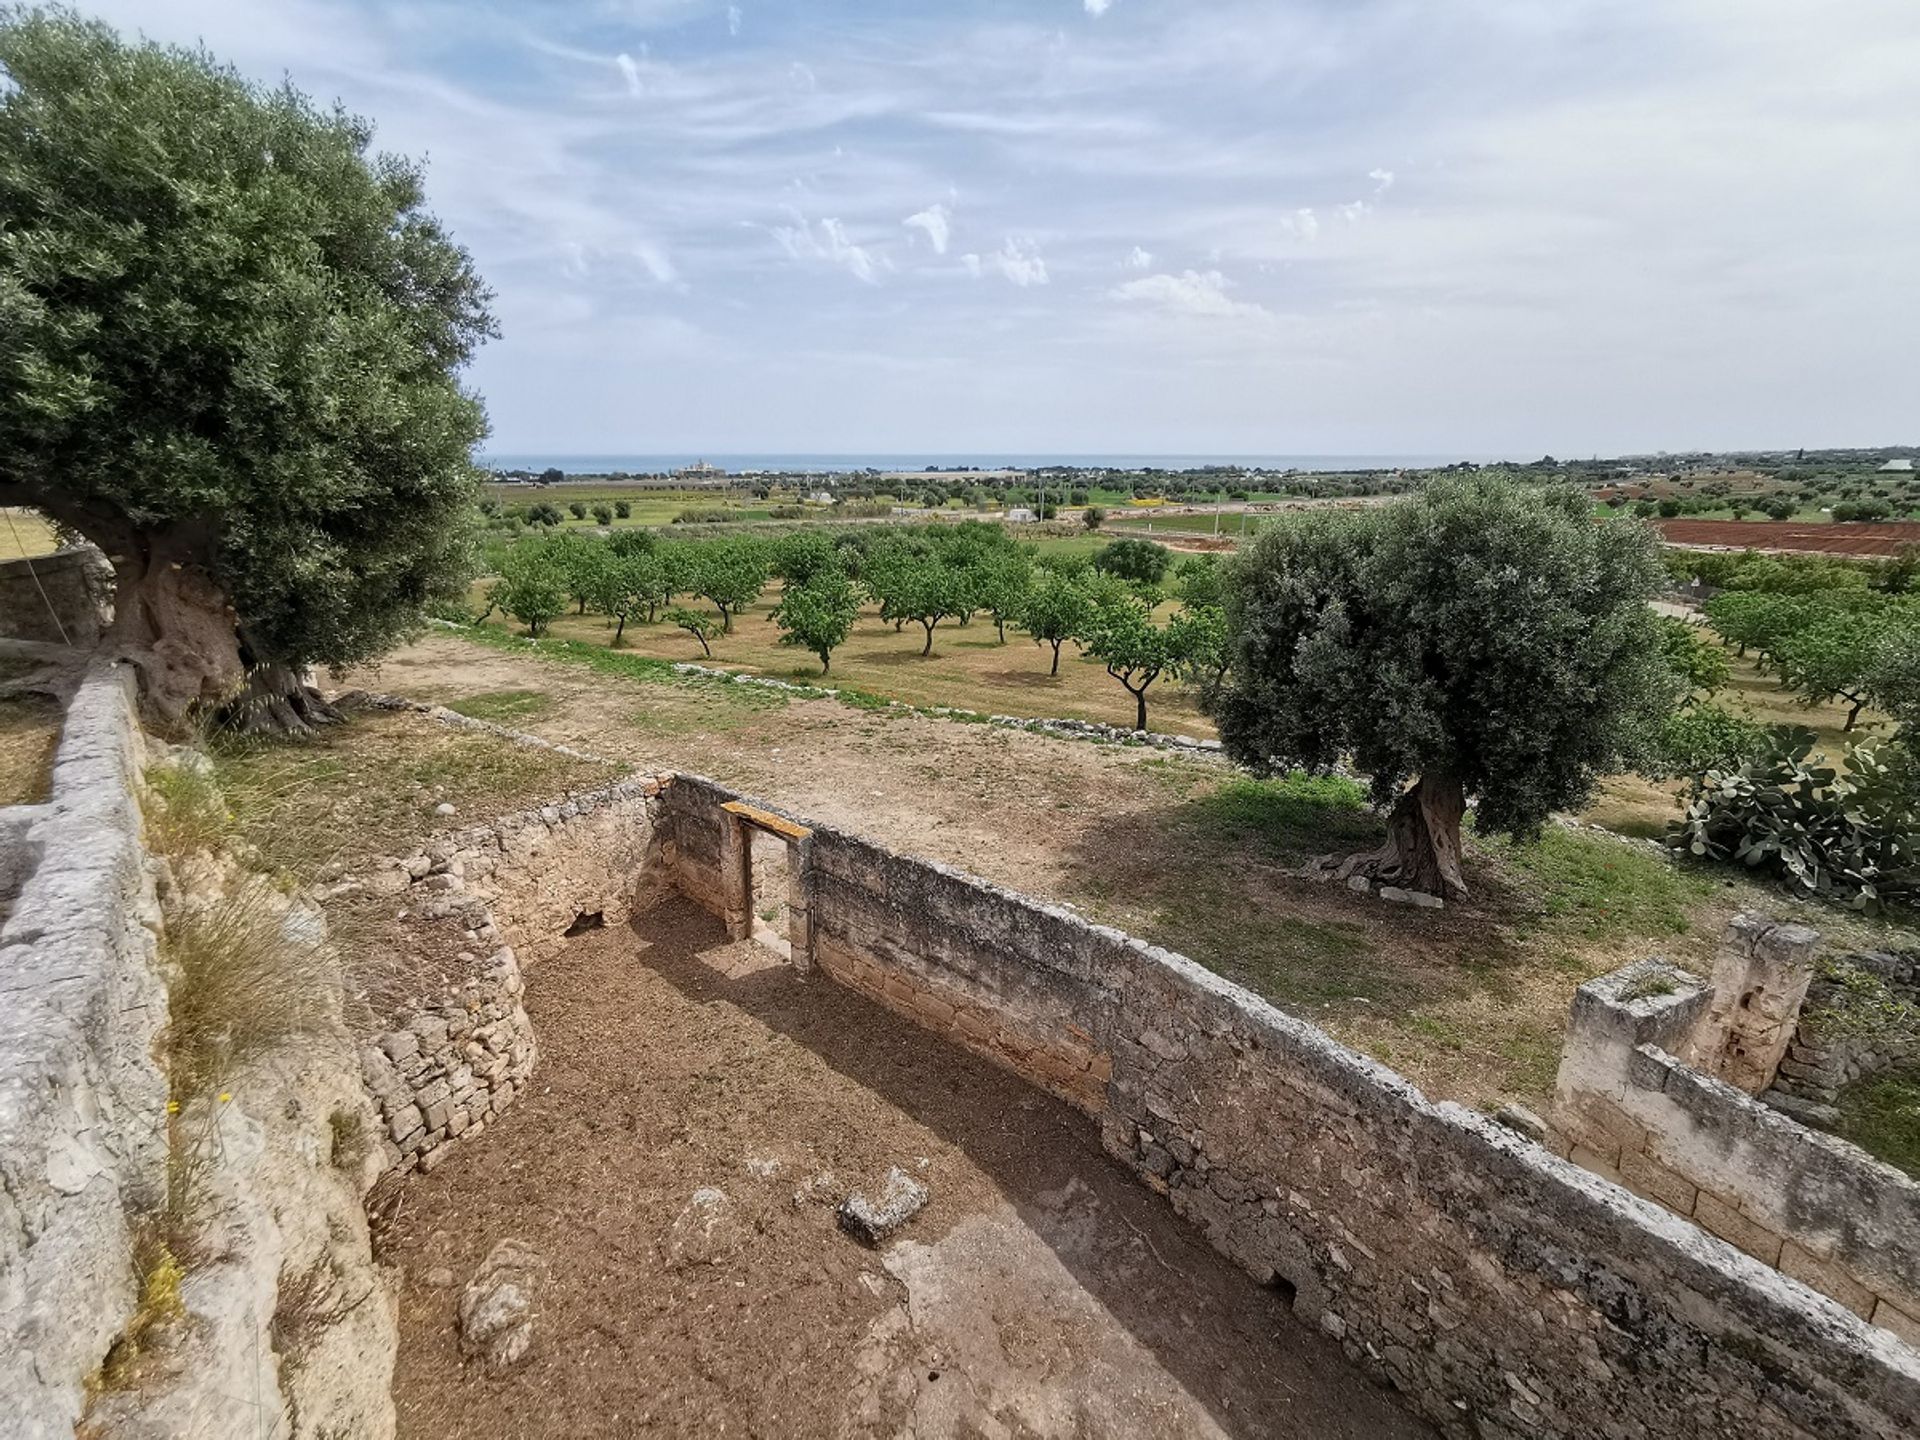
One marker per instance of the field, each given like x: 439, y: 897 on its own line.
x: 969, y: 668
x: 1824, y: 538
x: 24, y: 533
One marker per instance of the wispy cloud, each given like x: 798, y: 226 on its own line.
x: 1097, y: 8
x: 1191, y: 292
x: 626, y: 212
x: 629, y: 71
x: 936, y: 222
x: 827, y: 240
x: 1020, y: 262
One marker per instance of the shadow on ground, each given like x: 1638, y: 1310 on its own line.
x: 1042, y: 1291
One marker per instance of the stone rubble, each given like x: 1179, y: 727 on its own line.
x: 496, y: 1313
x: 901, y: 1199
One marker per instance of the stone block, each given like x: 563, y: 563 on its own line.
x: 1651, y: 1180
x: 1903, y: 1323
x: 1826, y: 1277
x: 1719, y: 1217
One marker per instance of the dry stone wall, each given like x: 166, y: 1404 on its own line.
x: 452, y: 1061
x: 58, y: 599
x: 1504, y: 1290
x: 1827, y: 1055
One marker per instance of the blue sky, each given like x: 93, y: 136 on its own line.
x: 1336, y: 226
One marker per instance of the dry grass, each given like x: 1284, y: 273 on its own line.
x: 24, y: 532
x: 245, y: 981
x: 372, y: 786
x: 185, y: 812
x: 29, y: 734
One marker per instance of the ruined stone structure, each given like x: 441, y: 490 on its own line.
x: 516, y: 886
x: 1504, y: 1291
x: 1825, y: 1055
x: 1636, y: 1101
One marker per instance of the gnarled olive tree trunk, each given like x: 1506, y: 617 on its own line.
x: 175, y: 624
x: 1422, y: 851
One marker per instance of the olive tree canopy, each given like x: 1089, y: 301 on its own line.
x: 1483, y: 639
x: 230, y: 339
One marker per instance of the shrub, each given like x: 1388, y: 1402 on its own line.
x: 1853, y: 836
x: 1699, y: 738
x: 578, y: 508
x: 623, y: 508
x: 704, y: 516
x: 603, y: 514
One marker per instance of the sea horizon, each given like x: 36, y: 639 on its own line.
x: 897, y: 461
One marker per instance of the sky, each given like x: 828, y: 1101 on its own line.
x: 1152, y: 226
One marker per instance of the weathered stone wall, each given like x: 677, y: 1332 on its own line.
x: 82, y: 1096
x: 453, y: 1067
x: 449, y: 1062
x: 1804, y: 1202
x: 58, y: 599
x: 1827, y: 1055
x: 1504, y: 1290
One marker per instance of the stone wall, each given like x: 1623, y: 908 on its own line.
x: 1505, y: 1291
x: 58, y: 599
x: 444, y: 1064
x: 1813, y: 1206
x: 1828, y: 1054
x: 82, y: 1096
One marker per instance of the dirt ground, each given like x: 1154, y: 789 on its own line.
x: 1042, y: 1292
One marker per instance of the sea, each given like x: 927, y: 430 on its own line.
x: 983, y: 460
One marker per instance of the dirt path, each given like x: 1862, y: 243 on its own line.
x: 1001, y: 803
x: 1042, y: 1292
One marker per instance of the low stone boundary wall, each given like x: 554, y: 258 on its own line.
x: 508, y: 890
x: 1809, y: 1204
x: 82, y: 1097
x: 1504, y: 1290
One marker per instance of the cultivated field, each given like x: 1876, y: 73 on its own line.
x: 1825, y: 538
x: 24, y: 532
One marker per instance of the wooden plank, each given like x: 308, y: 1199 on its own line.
x: 766, y: 819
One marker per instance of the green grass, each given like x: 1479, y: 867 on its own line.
x: 1882, y: 1117
x: 1596, y: 887
x: 1297, y: 815
x: 503, y: 707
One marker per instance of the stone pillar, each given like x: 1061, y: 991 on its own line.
x: 1650, y: 1002
x: 1760, y: 978
x: 799, y: 908
x: 736, y: 876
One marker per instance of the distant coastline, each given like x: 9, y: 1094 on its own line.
x: 984, y: 460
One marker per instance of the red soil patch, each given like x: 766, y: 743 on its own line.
x: 1824, y: 539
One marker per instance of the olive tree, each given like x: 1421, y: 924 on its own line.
x: 230, y: 346
x: 1482, y: 639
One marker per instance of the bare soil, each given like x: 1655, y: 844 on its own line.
x: 1041, y: 1292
